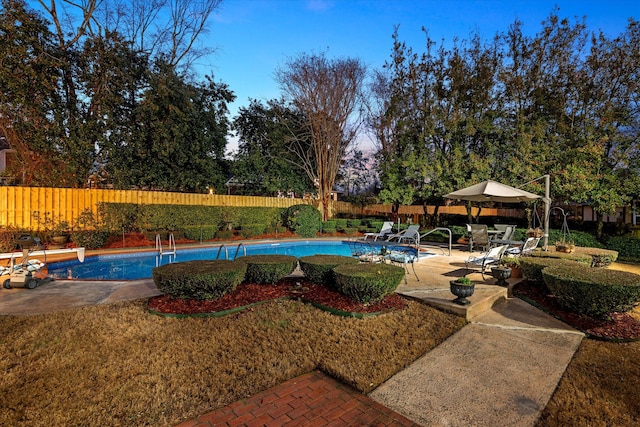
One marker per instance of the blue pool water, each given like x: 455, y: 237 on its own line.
x: 133, y: 266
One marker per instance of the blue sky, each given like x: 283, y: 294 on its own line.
x: 255, y: 37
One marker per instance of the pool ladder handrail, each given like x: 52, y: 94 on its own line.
x: 439, y: 247
x: 171, y: 250
x: 226, y: 251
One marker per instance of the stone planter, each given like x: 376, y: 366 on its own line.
x: 502, y: 274
x: 461, y: 291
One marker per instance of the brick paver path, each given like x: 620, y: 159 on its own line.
x: 313, y: 399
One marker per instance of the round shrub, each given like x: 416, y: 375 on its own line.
x: 268, y: 268
x: 367, y: 283
x: 304, y: 220
x: 319, y: 268
x: 89, y: 239
x: 593, y: 291
x: 354, y: 223
x: 202, y: 280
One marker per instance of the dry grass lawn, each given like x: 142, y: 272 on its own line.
x: 119, y: 365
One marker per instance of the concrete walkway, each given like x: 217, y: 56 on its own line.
x: 500, y: 369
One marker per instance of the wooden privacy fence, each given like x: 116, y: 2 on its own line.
x: 26, y: 207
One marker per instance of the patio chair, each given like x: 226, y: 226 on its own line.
x: 479, y: 236
x: 404, y: 255
x: 486, y: 260
x: 410, y: 235
x: 507, y: 235
x: 385, y: 230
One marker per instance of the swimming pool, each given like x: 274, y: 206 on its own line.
x: 133, y: 266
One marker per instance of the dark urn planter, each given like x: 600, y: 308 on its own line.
x: 502, y: 274
x: 462, y: 291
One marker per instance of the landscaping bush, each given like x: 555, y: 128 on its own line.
x: 224, y: 234
x: 349, y: 231
x: 341, y: 224
x: 250, y: 230
x: 90, y: 239
x: 628, y: 248
x: 6, y: 240
x: 319, y: 268
x: 532, y: 266
x: 202, y: 280
x: 599, y: 257
x: 354, y: 223
x: 582, y: 258
x: 197, y: 232
x: 268, y: 268
x: 367, y: 283
x: 303, y: 220
x: 593, y: 291
x: 329, y: 230
x: 329, y: 224
x: 579, y: 238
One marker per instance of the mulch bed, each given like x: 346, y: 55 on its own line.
x: 618, y: 327
x: 250, y: 293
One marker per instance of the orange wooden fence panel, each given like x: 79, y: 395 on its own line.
x: 27, y: 207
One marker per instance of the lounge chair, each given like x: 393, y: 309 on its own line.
x: 410, y: 235
x: 529, y: 245
x: 385, y: 230
x: 486, y: 260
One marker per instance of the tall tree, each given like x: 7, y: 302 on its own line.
x: 329, y: 94
x: 180, y: 137
x: 264, y: 165
x: 30, y: 98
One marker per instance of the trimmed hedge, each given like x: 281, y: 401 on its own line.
x: 367, y: 283
x: 304, y: 220
x: 250, y: 230
x: 196, y: 232
x: 319, y: 268
x: 599, y: 257
x: 582, y: 258
x: 593, y: 291
x: 202, y: 280
x: 268, y: 268
x: 532, y: 266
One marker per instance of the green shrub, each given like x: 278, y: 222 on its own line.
x: 628, y: 248
x: 532, y: 266
x: 329, y: 224
x: 579, y: 238
x: 319, y: 268
x: 341, y: 224
x: 354, y: 223
x: 198, y: 232
x: 366, y: 282
x: 90, y: 239
x: 575, y: 256
x: 329, y: 230
x: 268, y: 268
x: 349, y: 231
x: 599, y: 257
x: 593, y: 291
x: 202, y: 280
x: 304, y: 220
x: 224, y: 234
x: 6, y: 240
x: 250, y: 230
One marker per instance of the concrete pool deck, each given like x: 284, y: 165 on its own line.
x: 500, y: 369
